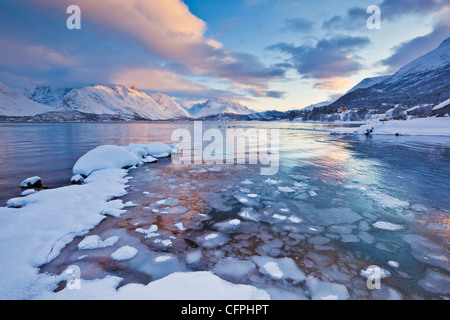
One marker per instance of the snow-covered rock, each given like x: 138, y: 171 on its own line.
x: 31, y: 182
x: 105, y: 157
x: 95, y: 242
x: 159, y: 150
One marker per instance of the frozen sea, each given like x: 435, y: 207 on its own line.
x: 338, y: 205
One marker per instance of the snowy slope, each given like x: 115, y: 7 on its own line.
x: 117, y: 100
x: 46, y: 95
x: 317, y: 105
x: 368, y: 82
x: 173, y: 109
x: 424, y: 81
x: 12, y: 103
x: 215, y: 107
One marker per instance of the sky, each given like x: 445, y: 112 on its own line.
x: 265, y: 54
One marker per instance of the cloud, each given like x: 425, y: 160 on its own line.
x: 408, y: 51
x: 356, y: 17
x: 298, y: 25
x: 172, y: 34
x: 328, y: 58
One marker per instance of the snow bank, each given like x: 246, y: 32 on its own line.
x: 202, y: 285
x: 159, y: 150
x: 45, y: 223
x: 416, y: 127
x: 31, y: 182
x: 105, y: 157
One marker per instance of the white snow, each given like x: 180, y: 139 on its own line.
x: 33, y: 235
x: 105, y: 157
x: 386, y: 200
x: 124, y: 253
x: 27, y: 192
x: 442, y: 105
x: 387, y: 226
x: 321, y: 290
x: 202, y: 285
x: 286, y: 189
x: 278, y: 269
x: 366, y: 273
x: 159, y: 150
x: 415, y: 127
x: 218, y: 106
x: 95, y: 242
x: 116, y: 100
x: 30, y: 182
x: 12, y: 103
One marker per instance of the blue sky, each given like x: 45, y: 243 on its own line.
x: 266, y: 54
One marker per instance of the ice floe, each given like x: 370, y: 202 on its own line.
x: 95, y: 242
x: 387, y: 226
x: 124, y: 253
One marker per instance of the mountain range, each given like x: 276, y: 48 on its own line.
x: 415, y: 89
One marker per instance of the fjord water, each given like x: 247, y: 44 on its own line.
x: 323, y: 208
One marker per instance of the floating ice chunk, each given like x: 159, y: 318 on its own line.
x: 278, y: 269
x: 363, y: 226
x: 386, y: 201
x: 366, y: 237
x: 163, y: 258
x: 177, y: 210
x: 319, y: 240
x: 124, y: 253
x: 235, y: 222
x: 428, y: 252
x: 193, y: 256
x: 279, y: 216
x: 164, y: 242
x: 272, y: 181
x: 28, y: 192
x: 249, y: 214
x: 146, y: 193
x: 286, y: 189
x: 252, y: 195
x: 245, y: 190
x: 246, y: 182
x: 321, y: 290
x: 31, y: 182
x: 179, y: 226
x: 325, y: 217
x: 387, y: 226
x: 394, y: 264
x: 300, y: 185
x: 159, y: 150
x: 374, y: 271
x: 342, y: 229
x: 436, y: 282
x: 295, y: 219
x: 165, y: 202
x: 105, y: 157
x: 212, y: 240
x: 349, y: 238
x: 232, y: 268
x: 312, y: 193
x: 228, y: 225
x: 151, y: 232
x: 95, y: 242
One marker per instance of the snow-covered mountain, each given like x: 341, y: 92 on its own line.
x: 127, y: 103
x: 423, y: 82
x: 368, y: 82
x: 317, y: 105
x: 12, y: 103
x: 170, y: 107
x: 218, y: 108
x: 46, y: 95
